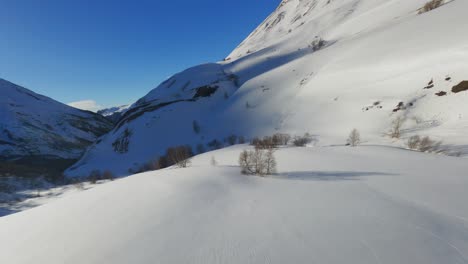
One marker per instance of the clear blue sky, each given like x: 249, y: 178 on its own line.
x: 114, y: 52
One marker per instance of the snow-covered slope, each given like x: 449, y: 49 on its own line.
x: 322, y: 66
x: 113, y: 110
x: 35, y: 125
x: 114, y: 113
x: 327, y: 205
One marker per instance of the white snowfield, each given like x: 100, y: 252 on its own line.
x: 368, y: 204
x: 318, y: 66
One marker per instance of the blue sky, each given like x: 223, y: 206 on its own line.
x: 114, y: 52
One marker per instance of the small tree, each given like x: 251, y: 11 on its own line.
x: 395, y: 132
x: 246, y: 163
x: 270, y: 162
x: 281, y: 139
x: 257, y: 162
x: 180, y: 155
x: 301, y: 141
x: 354, y: 138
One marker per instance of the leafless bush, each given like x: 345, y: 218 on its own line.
x: 120, y: 145
x: 425, y: 144
x: 301, y: 141
x: 354, y: 138
x: 231, y: 140
x: 395, y: 131
x: 215, y: 144
x: 94, y: 176
x: 413, y: 142
x: 429, y: 145
x: 264, y: 143
x: 108, y: 175
x: 180, y: 155
x: 281, y: 139
x: 257, y: 162
x: 431, y: 5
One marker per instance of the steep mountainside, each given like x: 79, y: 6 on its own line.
x: 318, y: 66
x: 36, y: 128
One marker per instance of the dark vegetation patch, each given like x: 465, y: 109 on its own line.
x: 120, y: 145
x: 205, y: 91
x: 430, y: 85
x: 35, y: 166
x: 136, y: 112
x: 441, y: 93
x: 463, y: 86
x: 400, y: 106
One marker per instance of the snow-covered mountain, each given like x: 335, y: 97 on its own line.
x: 114, y: 113
x: 32, y: 125
x: 318, y: 66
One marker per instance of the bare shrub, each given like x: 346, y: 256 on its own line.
x: 301, y: 141
x: 395, y: 131
x: 180, y: 155
x: 246, y: 162
x: 257, y: 162
x: 215, y: 144
x: 281, y: 139
x: 270, y: 162
x: 431, y: 5
x: 196, y: 127
x: 264, y: 143
x: 429, y: 145
x: 94, y: 176
x: 241, y: 140
x: 354, y: 138
x: 108, y: 175
x: 413, y: 142
x: 120, y: 145
x: 231, y: 140
x: 425, y: 144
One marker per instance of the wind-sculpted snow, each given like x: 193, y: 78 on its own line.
x: 326, y: 205
x: 318, y: 66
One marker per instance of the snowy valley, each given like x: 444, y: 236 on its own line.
x: 367, y: 99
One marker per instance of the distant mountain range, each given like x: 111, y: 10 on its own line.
x: 38, y: 131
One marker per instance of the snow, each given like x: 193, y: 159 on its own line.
x: 35, y: 125
x: 275, y: 81
x: 368, y: 204
x: 112, y: 110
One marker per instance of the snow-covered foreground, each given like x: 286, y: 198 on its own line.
x: 361, y: 205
